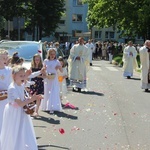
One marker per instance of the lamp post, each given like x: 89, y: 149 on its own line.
x: 18, y: 28
x: 8, y: 27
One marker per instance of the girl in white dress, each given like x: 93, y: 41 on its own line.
x: 5, y: 80
x: 51, y: 101
x: 17, y: 129
x: 62, y: 78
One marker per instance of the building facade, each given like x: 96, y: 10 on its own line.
x: 73, y: 22
x: 109, y: 34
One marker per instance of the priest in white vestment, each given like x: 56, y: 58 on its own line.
x: 91, y: 48
x: 77, y: 65
x: 145, y: 65
x: 129, y: 60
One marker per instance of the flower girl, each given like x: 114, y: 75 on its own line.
x: 17, y: 129
x: 51, y: 101
x: 62, y: 78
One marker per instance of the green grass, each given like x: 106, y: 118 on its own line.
x: 118, y: 58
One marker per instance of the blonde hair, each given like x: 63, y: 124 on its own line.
x: 3, y: 52
x: 17, y: 68
x: 40, y: 65
x: 50, y: 51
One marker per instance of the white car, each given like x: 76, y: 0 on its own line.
x: 25, y: 49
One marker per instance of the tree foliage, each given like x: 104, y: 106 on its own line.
x: 11, y: 8
x: 45, y: 15
x: 42, y: 14
x: 132, y: 17
x: 2, y: 21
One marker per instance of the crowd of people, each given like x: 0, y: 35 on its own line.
x: 44, y: 84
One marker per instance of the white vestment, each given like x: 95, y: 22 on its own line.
x: 129, y: 61
x: 145, y: 64
x: 77, y: 68
x: 91, y: 48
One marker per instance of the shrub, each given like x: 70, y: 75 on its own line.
x: 118, y: 58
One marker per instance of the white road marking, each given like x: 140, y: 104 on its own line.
x: 96, y: 68
x: 112, y: 69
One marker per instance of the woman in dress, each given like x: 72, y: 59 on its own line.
x: 51, y: 101
x: 38, y: 87
x: 17, y: 129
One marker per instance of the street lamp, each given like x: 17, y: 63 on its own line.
x: 18, y: 28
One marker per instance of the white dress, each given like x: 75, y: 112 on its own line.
x: 63, y: 86
x: 51, y: 101
x: 5, y: 80
x: 17, y: 129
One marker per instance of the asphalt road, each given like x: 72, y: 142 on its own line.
x: 113, y: 115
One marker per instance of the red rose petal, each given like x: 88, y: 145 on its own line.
x: 61, y: 130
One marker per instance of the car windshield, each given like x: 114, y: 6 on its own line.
x: 25, y: 50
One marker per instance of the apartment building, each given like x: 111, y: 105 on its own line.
x: 73, y: 23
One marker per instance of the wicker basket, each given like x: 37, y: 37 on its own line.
x: 29, y: 108
x: 3, y: 95
x: 50, y: 76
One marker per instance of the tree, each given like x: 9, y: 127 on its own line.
x: 132, y: 17
x: 44, y: 15
x: 2, y: 21
x: 11, y: 8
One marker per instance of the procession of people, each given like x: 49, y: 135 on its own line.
x: 44, y: 85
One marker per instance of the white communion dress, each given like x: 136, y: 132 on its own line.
x: 17, y: 129
x: 63, y: 85
x: 51, y: 101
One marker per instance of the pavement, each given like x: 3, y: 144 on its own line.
x: 114, y: 114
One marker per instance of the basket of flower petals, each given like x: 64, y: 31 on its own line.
x: 3, y: 95
x: 50, y: 76
x: 29, y: 108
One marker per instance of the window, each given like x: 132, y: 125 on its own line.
x: 139, y: 37
x: 106, y: 35
x: 76, y: 31
x: 62, y: 22
x: 79, y: 2
x: 77, y: 17
x: 111, y: 35
x: 98, y: 34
